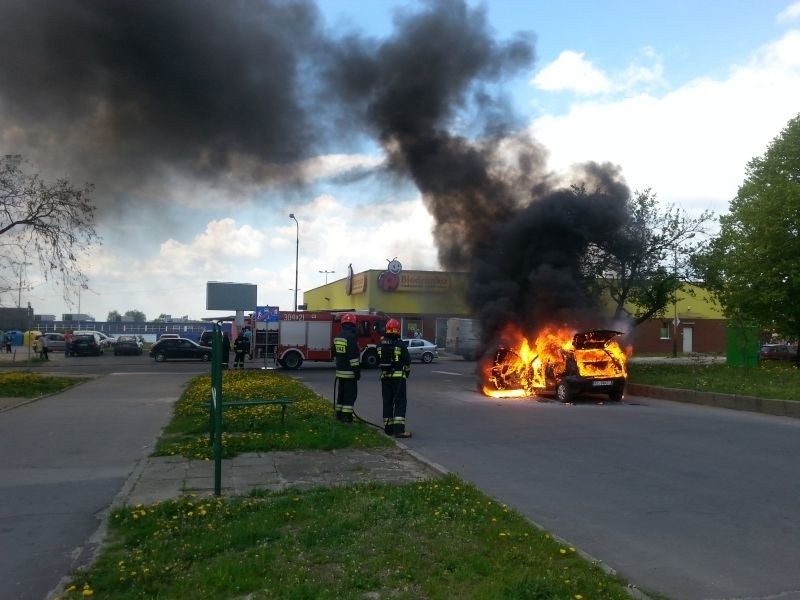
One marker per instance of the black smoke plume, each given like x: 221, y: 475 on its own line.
x: 134, y: 94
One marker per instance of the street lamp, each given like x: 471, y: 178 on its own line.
x: 82, y: 286
x: 676, y: 321
x: 19, y: 292
x: 296, y: 257
x: 326, y: 275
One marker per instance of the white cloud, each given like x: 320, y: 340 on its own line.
x: 789, y: 13
x: 570, y: 71
x: 690, y: 145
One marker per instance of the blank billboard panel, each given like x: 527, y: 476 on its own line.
x: 230, y: 296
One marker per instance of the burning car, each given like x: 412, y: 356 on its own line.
x: 587, y: 362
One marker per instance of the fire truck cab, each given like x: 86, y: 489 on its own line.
x: 308, y: 335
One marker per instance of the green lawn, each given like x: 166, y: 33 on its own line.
x: 778, y: 379
x: 23, y: 384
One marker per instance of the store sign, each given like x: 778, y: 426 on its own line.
x: 411, y: 281
x: 359, y: 283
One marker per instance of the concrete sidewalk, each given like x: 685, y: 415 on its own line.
x: 162, y: 478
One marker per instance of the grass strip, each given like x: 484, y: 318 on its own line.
x: 23, y: 384
x: 778, y: 380
x: 309, y: 421
x: 439, y: 538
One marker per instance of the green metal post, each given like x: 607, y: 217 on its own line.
x: 216, y: 405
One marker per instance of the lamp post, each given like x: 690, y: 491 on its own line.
x: 296, y: 257
x: 676, y: 321
x: 326, y: 275
x: 82, y: 286
x: 19, y: 290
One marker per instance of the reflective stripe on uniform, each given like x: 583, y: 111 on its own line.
x: 390, y: 375
x: 345, y: 409
x: 354, y: 362
x: 345, y: 375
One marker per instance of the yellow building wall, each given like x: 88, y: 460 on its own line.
x: 417, y: 292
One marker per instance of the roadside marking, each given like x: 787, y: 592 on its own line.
x: 448, y: 373
x: 151, y: 373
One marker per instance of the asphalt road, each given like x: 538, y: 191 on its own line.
x: 685, y: 501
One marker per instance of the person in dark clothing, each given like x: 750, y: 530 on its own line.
x: 226, y: 349
x: 395, y: 367
x: 240, y: 348
x: 348, y: 368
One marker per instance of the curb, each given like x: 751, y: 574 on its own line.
x: 767, y: 406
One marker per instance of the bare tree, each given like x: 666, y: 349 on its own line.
x: 52, y: 222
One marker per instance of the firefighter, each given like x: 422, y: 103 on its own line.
x: 348, y: 368
x: 226, y: 349
x: 240, y: 348
x: 395, y: 365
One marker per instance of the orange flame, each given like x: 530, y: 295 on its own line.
x: 524, y: 366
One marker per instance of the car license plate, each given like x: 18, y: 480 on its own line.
x: 601, y: 383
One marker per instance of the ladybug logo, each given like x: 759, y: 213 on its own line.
x: 388, y: 281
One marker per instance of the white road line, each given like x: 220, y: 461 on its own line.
x: 448, y: 373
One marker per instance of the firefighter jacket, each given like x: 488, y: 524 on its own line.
x: 241, y: 345
x: 393, y: 358
x: 348, y: 358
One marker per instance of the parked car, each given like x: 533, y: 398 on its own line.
x: 55, y: 342
x: 205, y: 338
x: 179, y: 348
x: 420, y: 349
x: 86, y: 344
x: 106, y: 341
x: 778, y: 352
x: 127, y: 344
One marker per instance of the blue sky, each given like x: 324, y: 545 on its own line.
x: 680, y: 94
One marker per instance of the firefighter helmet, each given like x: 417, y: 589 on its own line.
x: 393, y: 327
x: 348, y: 318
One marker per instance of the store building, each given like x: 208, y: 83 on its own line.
x: 424, y: 300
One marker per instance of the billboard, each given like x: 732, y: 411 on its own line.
x: 230, y: 296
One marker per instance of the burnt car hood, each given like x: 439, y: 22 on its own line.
x: 593, y: 338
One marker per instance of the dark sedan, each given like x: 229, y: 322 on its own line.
x: 127, y: 344
x: 85, y: 344
x: 179, y: 348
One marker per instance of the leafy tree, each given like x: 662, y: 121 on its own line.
x: 753, y: 265
x: 137, y: 315
x: 53, y: 221
x: 113, y: 316
x: 643, y: 268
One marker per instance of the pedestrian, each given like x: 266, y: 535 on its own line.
x: 226, y: 349
x: 240, y: 348
x: 67, y: 343
x: 45, y: 342
x: 247, y: 336
x: 395, y: 366
x: 417, y: 334
x: 8, y: 343
x: 348, y: 368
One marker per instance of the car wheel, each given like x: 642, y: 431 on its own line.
x: 370, y: 359
x: 427, y: 357
x: 205, y: 357
x: 292, y: 360
x: 161, y: 357
x: 615, y: 396
x: 563, y: 392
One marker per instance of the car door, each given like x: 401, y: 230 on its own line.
x: 185, y: 349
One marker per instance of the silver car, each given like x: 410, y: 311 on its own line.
x: 420, y: 349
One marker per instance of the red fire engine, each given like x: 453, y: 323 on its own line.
x: 308, y: 335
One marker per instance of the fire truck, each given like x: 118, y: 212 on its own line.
x: 308, y: 335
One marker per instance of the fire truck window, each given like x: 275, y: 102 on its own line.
x: 364, y: 329
x: 380, y: 327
